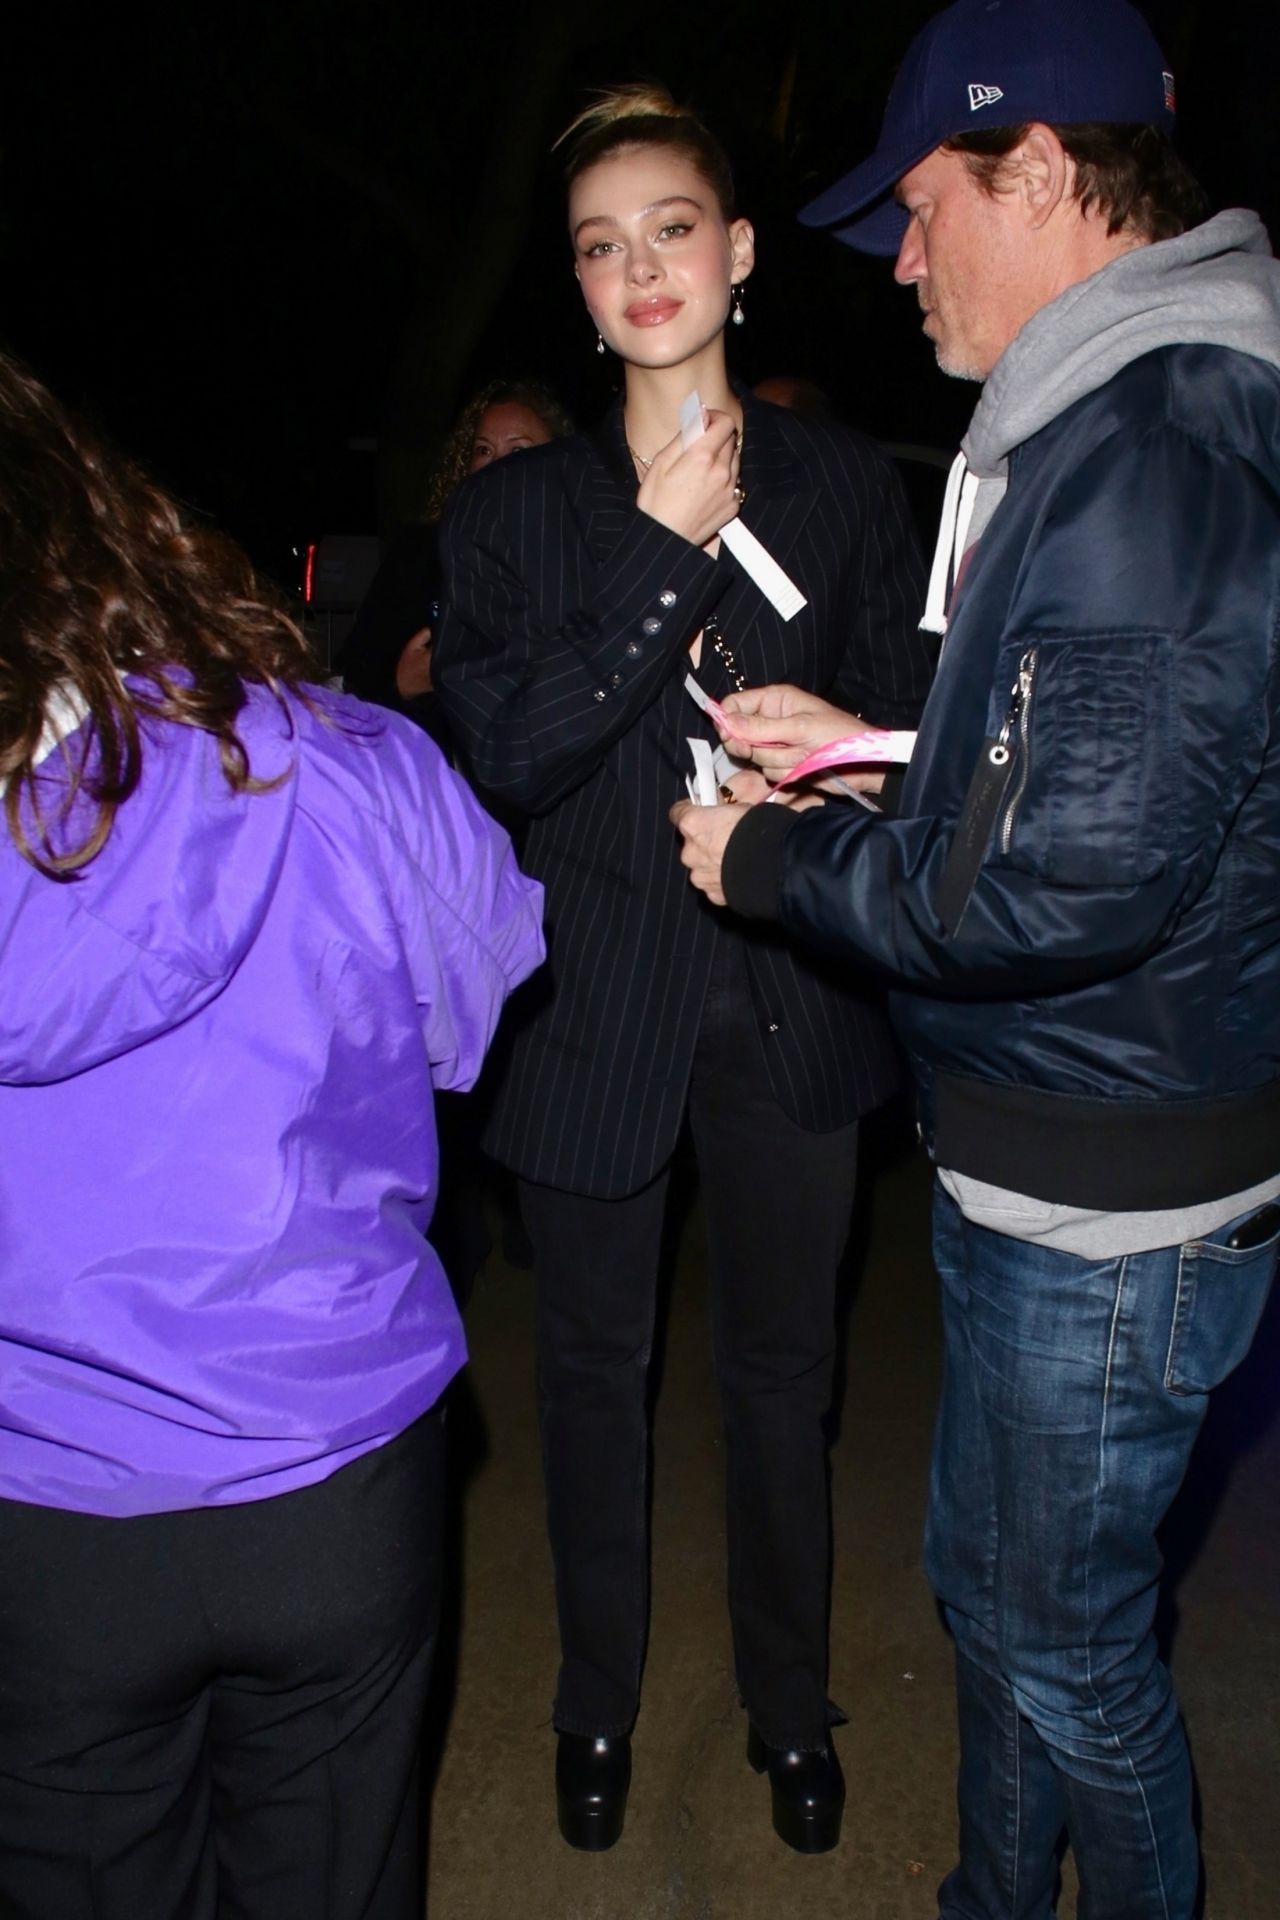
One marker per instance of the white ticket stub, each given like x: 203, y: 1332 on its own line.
x: 752, y: 557
x: 713, y: 768
x: 702, y: 781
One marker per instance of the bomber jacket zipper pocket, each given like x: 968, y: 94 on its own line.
x: 982, y: 806
x: 1019, y: 714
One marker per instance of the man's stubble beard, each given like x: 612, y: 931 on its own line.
x: 955, y: 370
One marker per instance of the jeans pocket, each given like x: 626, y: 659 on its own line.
x: 1221, y: 1293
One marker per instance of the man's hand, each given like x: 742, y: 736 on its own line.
x: 780, y: 725
x: 413, y: 668
x: 706, y: 833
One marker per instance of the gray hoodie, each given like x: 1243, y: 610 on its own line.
x: 1217, y: 285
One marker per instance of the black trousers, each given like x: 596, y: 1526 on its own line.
x: 778, y: 1202
x: 218, y: 1712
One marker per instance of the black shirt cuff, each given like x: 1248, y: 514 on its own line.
x: 751, y: 874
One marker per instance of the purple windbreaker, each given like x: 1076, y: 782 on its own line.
x: 217, y: 1054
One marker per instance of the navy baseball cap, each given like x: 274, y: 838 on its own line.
x: 999, y: 63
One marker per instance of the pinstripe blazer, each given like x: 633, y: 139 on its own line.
x: 561, y: 658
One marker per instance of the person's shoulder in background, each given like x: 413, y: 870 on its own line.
x: 818, y: 436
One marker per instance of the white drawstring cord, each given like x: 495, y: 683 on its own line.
x: 953, y: 532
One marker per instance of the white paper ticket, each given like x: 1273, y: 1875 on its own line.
x: 713, y: 768
x: 754, y: 558
x: 702, y: 781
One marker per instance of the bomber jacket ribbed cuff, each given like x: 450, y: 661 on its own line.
x: 889, y: 798
x: 753, y: 859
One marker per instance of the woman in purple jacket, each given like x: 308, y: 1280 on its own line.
x: 246, y: 928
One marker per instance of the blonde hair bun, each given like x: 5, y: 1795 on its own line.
x: 644, y: 114
x: 643, y: 100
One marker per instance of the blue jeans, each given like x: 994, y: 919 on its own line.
x: 1073, y: 1393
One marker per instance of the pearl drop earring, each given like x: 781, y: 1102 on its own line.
x: 599, y: 343
x: 739, y: 317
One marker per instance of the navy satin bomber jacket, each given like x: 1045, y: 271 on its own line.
x: 1100, y: 1025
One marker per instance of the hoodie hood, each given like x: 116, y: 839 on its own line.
x: 153, y: 928
x: 1216, y: 285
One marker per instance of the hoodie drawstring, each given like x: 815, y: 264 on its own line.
x: 957, y: 512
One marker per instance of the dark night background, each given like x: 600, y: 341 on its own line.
x: 243, y: 237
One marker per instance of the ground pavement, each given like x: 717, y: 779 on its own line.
x: 698, y: 1843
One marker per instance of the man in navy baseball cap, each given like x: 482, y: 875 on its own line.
x: 1076, y: 896
x: 998, y: 63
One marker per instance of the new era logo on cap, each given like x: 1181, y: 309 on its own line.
x: 1064, y: 62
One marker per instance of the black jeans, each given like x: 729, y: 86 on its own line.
x: 778, y: 1202
x: 219, y: 1711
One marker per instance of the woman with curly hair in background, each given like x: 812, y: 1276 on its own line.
x: 387, y: 654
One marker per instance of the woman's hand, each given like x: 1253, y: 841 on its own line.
x: 413, y: 668
x: 748, y: 786
x: 691, y: 489
x: 777, y: 727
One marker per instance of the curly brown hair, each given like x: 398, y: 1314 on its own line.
x: 119, y: 602
x: 454, y: 463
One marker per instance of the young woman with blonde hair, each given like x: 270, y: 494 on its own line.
x: 584, y: 582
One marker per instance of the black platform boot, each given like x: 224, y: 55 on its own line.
x: 593, y: 1773
x: 808, y: 1793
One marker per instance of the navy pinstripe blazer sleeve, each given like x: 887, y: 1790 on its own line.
x: 561, y: 660
x: 543, y: 649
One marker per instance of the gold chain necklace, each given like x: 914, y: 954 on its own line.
x: 739, y: 435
